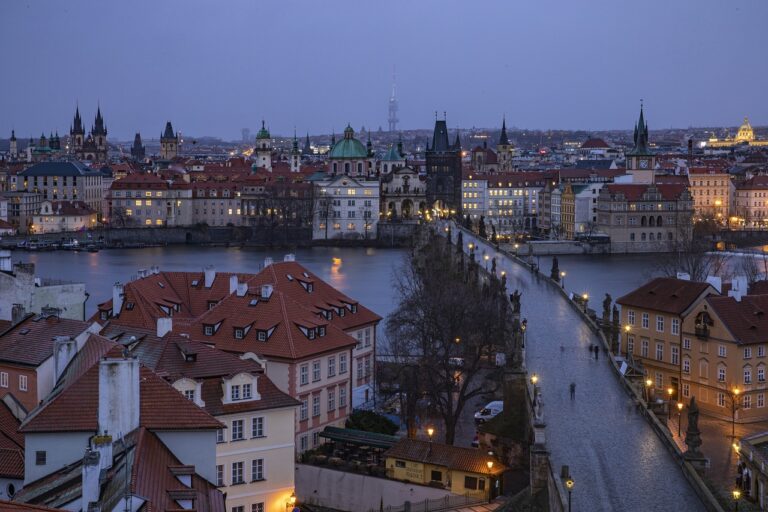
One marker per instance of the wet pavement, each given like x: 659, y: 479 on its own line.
x: 615, y: 458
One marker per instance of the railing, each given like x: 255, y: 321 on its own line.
x: 445, y: 503
x: 702, y: 332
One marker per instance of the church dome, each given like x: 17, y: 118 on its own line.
x: 745, y: 134
x: 263, y: 133
x: 349, y: 146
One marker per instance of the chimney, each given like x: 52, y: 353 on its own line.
x: 267, y: 261
x: 242, y: 289
x: 210, y: 275
x: 716, y: 283
x: 64, y: 349
x: 684, y: 276
x: 17, y: 313
x: 142, y: 273
x: 289, y: 257
x: 5, y: 261
x: 266, y: 291
x: 118, y: 395
x: 739, y: 288
x: 164, y: 326
x: 117, y: 298
x: 91, y: 488
x: 232, y: 284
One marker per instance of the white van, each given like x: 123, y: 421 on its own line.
x: 489, y: 411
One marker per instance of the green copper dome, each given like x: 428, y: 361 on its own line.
x: 393, y: 155
x: 349, y: 146
x: 263, y: 133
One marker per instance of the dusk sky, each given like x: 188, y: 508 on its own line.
x: 213, y: 68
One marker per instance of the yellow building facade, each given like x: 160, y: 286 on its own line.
x: 745, y: 135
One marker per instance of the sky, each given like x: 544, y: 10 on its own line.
x: 214, y: 67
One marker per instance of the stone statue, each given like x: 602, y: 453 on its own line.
x: 692, y: 433
x: 555, y: 273
x: 515, y: 300
x: 607, y: 307
x: 537, y: 412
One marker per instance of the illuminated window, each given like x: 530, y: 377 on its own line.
x: 148, y: 202
x: 229, y: 211
x: 129, y: 212
x: 148, y: 194
x: 159, y: 222
x: 138, y: 202
x: 148, y: 222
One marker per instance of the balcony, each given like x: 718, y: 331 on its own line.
x: 702, y: 332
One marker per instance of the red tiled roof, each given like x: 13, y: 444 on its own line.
x: 161, y: 407
x: 594, y: 143
x: 707, y: 170
x: 70, y: 208
x: 747, y: 320
x: 470, y: 460
x: 759, y: 288
x: 634, y: 192
x: 13, y: 506
x: 754, y: 183
x: 666, y: 294
x: 139, y: 180
x: 11, y: 445
x: 30, y: 342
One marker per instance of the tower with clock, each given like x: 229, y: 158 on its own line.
x: 641, y: 162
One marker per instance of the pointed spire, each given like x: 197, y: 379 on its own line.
x: 640, y: 135
x: 503, y: 139
x: 400, y: 144
x: 457, y: 144
x: 13, y: 135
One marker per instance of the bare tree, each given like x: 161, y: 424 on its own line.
x: 748, y: 267
x: 692, y: 251
x: 449, y: 321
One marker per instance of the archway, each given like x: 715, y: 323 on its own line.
x: 406, y: 208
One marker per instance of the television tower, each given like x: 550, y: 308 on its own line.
x: 392, y: 118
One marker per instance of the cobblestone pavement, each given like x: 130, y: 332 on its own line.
x: 616, y: 460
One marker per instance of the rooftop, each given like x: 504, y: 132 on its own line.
x: 666, y: 294
x: 471, y: 460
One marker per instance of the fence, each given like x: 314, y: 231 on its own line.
x: 446, y: 503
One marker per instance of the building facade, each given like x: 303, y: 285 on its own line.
x: 62, y: 181
x: 347, y: 208
x: 142, y: 199
x: 712, y: 192
x: 63, y: 216
x: 444, y: 171
x: 751, y: 203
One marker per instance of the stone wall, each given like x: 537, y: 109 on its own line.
x: 557, y: 247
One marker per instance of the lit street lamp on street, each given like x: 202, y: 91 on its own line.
x: 490, y: 467
x: 735, y: 406
x: 569, y: 485
x: 679, y: 417
x: 648, y: 383
x: 627, y: 330
x: 736, y: 497
x: 562, y: 279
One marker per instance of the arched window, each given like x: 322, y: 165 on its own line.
x: 359, y: 168
x: 643, y: 221
x: 658, y: 221
x: 651, y: 221
x: 650, y: 235
x: 346, y: 168
x: 658, y: 236
x: 642, y: 237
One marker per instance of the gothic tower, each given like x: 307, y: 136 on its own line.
x: 76, y: 132
x: 99, y: 133
x: 505, y: 151
x: 169, y: 143
x: 443, y: 163
x: 264, y: 148
x: 137, y: 150
x: 393, y: 108
x: 641, y: 162
x: 14, y: 152
x: 295, y: 155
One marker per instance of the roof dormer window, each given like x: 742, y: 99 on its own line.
x: 208, y: 330
x: 253, y: 302
x: 310, y: 287
x: 311, y: 334
x: 261, y: 335
x: 212, y: 304
x: 239, y: 333
x: 321, y: 331
x: 194, y: 283
x: 129, y: 306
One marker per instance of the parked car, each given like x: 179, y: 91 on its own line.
x: 456, y: 362
x: 491, y: 410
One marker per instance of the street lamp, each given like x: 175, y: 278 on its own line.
x: 562, y: 279
x: 291, y: 500
x: 679, y: 417
x: 490, y: 467
x: 430, y: 432
x: 569, y: 483
x: 734, y: 407
x: 648, y: 383
x: 669, y: 393
x: 627, y: 330
x: 736, y: 496
x: 534, y: 379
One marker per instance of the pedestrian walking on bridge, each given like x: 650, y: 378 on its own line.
x: 573, y: 390
x: 597, y: 352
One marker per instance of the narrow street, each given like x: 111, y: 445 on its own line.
x: 615, y: 458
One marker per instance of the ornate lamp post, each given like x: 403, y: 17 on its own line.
x: 648, y: 383
x: 736, y: 496
x: 627, y: 330
x: 562, y: 279
x: 569, y: 483
x: 490, y: 467
x: 291, y: 501
x: 734, y: 407
x: 679, y: 417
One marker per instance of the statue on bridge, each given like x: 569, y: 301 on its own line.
x: 514, y: 298
x: 692, y: 433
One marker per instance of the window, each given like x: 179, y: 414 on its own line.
x: 760, y: 400
x: 686, y: 366
x: 304, y: 410
x: 721, y: 351
x: 747, y: 375
x: 659, y: 351
x: 659, y: 380
x: 631, y: 317
x: 315, y: 371
x: 760, y: 374
x: 686, y: 390
x: 257, y: 427
x: 40, y: 458
x: 220, y: 435
x: 630, y: 344
x: 367, y: 331
x: 303, y: 443
x: 315, y: 439
x: 219, y: 475
x: 331, y: 400
x: 473, y: 483
x: 257, y: 507
x: 747, y: 352
x: 675, y: 326
x: 209, y: 330
x: 316, y: 405
x: 747, y: 401
x: 645, y: 321
x: 644, y: 348
x: 367, y: 365
x: 342, y: 397
x: 331, y: 366
x: 237, y: 473
x: 399, y: 463
x: 659, y: 323
x: 359, y: 368
x: 761, y: 351
x: 22, y: 382
x: 4, y: 379
x: 436, y: 476
x: 304, y: 374
x: 189, y: 394
x: 675, y: 354
x: 342, y: 364
x: 721, y: 374
x: 234, y: 392
x: 359, y: 340
x: 246, y: 391
x: 262, y: 335
x: 239, y: 334
x: 687, y: 343
x: 237, y: 430
x: 257, y: 470
x: 721, y: 400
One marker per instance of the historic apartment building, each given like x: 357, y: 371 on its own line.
x: 142, y: 199
x: 347, y: 208
x: 645, y: 217
x: 751, y: 202
x: 712, y: 192
x: 61, y: 181
x: 507, y: 201
x: 652, y: 317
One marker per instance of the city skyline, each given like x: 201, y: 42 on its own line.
x: 211, y: 82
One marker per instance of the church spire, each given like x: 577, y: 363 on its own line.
x: 641, y: 135
x: 503, y: 139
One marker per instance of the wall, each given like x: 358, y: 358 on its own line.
x: 21, y: 289
x: 546, y: 248
x: 61, y: 448
x: 396, y: 234
x: 350, y: 491
x: 195, y: 447
x: 5, y: 490
x: 27, y: 398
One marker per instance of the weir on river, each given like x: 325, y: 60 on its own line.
x: 615, y: 458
